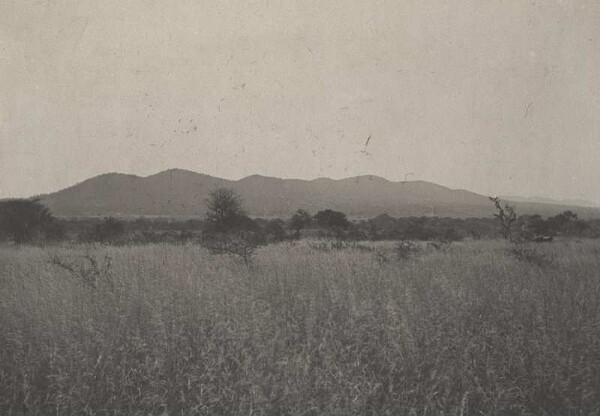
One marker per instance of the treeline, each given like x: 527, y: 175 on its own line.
x: 29, y: 221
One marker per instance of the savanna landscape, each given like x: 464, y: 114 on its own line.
x: 299, y: 208
x: 307, y: 327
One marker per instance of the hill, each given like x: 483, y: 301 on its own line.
x: 181, y: 193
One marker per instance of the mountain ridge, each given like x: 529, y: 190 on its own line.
x: 181, y: 193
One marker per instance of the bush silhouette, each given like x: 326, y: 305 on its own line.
x: 224, y: 211
x: 332, y: 219
x: 27, y: 220
x: 228, y: 230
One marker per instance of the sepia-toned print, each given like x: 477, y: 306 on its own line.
x: 299, y: 208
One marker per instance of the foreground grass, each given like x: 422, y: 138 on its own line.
x: 471, y: 329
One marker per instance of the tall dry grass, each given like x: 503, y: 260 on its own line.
x: 306, y: 330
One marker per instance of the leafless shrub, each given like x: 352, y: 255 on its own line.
x: 89, y: 270
x: 381, y: 257
x: 530, y: 255
x: 507, y: 216
x: 439, y: 244
x: 406, y: 249
x: 242, y: 244
x: 327, y: 246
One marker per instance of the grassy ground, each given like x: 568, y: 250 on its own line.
x: 474, y: 328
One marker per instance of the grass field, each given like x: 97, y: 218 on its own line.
x: 307, y: 329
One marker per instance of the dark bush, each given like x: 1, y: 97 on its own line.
x: 275, y: 231
x: 332, y: 219
x: 28, y: 220
x: 300, y: 220
x: 109, y: 230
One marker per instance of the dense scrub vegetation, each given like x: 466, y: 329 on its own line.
x: 325, y: 223
x: 311, y: 327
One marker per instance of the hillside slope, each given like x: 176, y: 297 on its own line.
x: 181, y: 193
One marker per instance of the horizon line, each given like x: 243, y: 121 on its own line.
x: 509, y: 198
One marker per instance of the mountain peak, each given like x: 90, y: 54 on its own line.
x: 174, y: 171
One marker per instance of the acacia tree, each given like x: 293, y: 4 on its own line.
x: 224, y: 210
x: 507, y: 216
x: 334, y: 222
x: 229, y: 230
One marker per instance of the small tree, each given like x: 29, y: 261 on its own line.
x: 507, y: 216
x: 332, y: 219
x: 27, y: 220
x: 229, y: 230
x: 299, y: 221
x: 224, y: 210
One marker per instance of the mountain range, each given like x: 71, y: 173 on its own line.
x: 182, y: 193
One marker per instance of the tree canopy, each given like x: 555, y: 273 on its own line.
x: 331, y: 219
x: 224, y: 210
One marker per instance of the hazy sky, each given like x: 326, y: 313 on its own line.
x: 498, y: 97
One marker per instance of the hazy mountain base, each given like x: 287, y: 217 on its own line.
x: 309, y: 328
x: 180, y: 193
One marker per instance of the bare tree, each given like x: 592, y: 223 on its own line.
x: 507, y: 216
x: 243, y: 244
x: 89, y: 270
